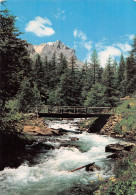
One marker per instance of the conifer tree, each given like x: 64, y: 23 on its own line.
x: 95, y: 96
x: 115, y: 71
x: 110, y: 93
x: 39, y: 72
x: 52, y: 72
x: 121, y: 77
x: 28, y: 96
x: 62, y: 65
x: 131, y: 69
x: 95, y: 67
x: 15, y: 64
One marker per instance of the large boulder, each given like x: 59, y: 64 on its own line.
x: 118, y: 154
x: 123, y: 146
x: 41, y: 145
x: 92, y: 168
x: 74, y: 138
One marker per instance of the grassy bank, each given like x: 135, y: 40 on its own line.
x: 124, y: 182
x: 122, y: 124
x: 86, y: 123
x: 127, y: 124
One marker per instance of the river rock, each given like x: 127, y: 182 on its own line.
x: 118, y: 154
x: 92, y: 168
x: 41, y: 145
x: 119, y: 147
x: 74, y: 138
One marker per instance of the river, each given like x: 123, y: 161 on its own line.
x: 49, y: 175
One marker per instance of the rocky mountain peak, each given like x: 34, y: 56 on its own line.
x: 57, y: 47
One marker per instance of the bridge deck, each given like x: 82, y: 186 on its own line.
x: 73, y: 111
x: 70, y: 115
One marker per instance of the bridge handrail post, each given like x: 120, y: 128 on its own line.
x: 74, y: 110
x: 86, y: 110
x: 36, y: 111
x: 113, y: 110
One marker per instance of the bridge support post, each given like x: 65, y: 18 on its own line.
x: 36, y: 112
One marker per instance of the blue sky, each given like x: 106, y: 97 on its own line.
x: 105, y: 25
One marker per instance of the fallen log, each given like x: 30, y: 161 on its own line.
x: 88, y: 165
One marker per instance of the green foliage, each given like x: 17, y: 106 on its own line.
x: 67, y: 91
x: 59, y: 82
x: 14, y: 61
x: 127, y: 110
x: 95, y: 67
x: 121, y: 77
x: 108, y: 80
x: 125, y: 180
x: 12, y: 107
x: 28, y: 96
x: 11, y: 117
x: 96, y: 96
x: 84, y: 124
x: 131, y: 69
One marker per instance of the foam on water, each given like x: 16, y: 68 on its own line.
x: 51, y: 175
x: 64, y: 124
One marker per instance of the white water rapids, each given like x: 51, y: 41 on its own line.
x: 50, y: 175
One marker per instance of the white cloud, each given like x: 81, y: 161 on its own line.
x: 101, y: 44
x: 79, y: 34
x: 114, y: 50
x: 131, y: 37
x: 124, y: 47
x: 87, y: 45
x: 40, y: 27
x: 108, y: 51
x: 104, y: 51
x: 17, y: 18
x: 83, y: 44
x: 60, y: 14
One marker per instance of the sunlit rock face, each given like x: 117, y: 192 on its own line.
x: 48, y: 50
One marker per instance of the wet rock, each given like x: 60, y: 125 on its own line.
x: 113, y: 148
x: 118, y: 155
x: 67, y: 144
x: 119, y: 136
x: 127, y: 146
x: 108, y: 128
x: 66, y: 131
x: 119, y: 147
x: 92, y: 168
x: 40, y: 131
x: 41, y: 145
x: 74, y: 138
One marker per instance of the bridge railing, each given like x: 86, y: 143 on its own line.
x: 74, y: 109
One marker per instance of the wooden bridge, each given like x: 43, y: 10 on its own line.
x: 73, y: 111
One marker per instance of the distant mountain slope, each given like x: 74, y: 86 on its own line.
x: 48, y: 49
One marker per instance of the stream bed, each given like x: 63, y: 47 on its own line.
x: 49, y: 175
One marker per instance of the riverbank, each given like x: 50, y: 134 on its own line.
x: 122, y: 125
x: 47, y: 171
x: 124, y: 181
x: 32, y: 125
x: 55, y: 156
